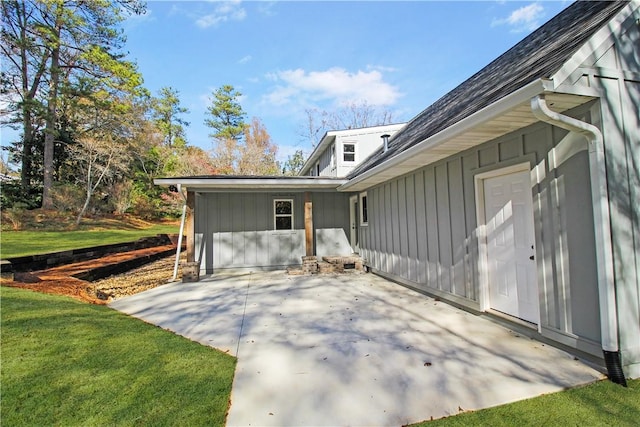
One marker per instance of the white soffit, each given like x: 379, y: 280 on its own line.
x: 468, y: 133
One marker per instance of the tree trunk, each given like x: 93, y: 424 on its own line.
x: 28, y: 133
x: 25, y: 158
x: 50, y: 127
x: 86, y: 203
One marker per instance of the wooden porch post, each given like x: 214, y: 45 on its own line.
x: 308, y: 224
x: 190, y: 227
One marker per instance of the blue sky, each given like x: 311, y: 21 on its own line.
x: 288, y: 56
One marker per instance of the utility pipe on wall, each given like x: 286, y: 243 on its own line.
x: 602, y: 228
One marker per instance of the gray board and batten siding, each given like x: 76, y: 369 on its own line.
x: 422, y: 230
x: 236, y: 230
x: 615, y: 72
x: 422, y: 226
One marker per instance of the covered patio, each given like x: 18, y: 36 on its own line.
x: 353, y: 349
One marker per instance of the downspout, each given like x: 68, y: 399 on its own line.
x: 604, y: 252
x: 182, y: 221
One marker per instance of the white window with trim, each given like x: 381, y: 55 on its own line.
x: 349, y: 152
x: 283, y: 214
x: 364, y: 213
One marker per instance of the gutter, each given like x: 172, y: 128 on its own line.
x: 487, y: 113
x: 602, y: 228
x: 179, y: 248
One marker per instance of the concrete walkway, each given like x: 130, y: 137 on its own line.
x: 352, y: 349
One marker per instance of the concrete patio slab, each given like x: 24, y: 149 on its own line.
x: 353, y: 349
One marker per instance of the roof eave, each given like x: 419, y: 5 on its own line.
x: 249, y: 183
x: 315, y: 155
x: 408, y: 160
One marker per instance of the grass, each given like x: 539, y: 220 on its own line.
x: 74, y: 364
x: 599, y: 404
x: 21, y: 243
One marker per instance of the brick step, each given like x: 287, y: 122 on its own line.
x: 345, y: 262
x: 328, y: 265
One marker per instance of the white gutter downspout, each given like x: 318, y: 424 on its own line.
x: 184, y: 216
x: 602, y: 228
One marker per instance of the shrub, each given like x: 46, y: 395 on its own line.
x: 15, y: 215
x: 67, y: 198
x: 120, y: 196
x: 12, y: 195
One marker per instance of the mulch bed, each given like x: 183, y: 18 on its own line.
x: 59, y: 280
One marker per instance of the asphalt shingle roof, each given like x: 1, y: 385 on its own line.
x: 539, y: 55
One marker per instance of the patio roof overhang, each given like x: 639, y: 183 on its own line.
x: 506, y: 115
x: 251, y: 183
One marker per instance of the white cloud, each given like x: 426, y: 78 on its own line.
x: 223, y: 12
x: 336, y: 85
x: 526, y: 18
x: 245, y: 59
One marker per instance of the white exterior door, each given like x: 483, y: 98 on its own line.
x: 353, y: 221
x: 512, y: 278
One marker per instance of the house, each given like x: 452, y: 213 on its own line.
x: 340, y: 151
x: 517, y: 194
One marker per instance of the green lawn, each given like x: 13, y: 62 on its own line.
x: 21, y: 243
x: 600, y: 404
x: 69, y: 363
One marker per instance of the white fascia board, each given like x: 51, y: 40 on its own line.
x: 317, y: 152
x: 499, y: 107
x: 236, y: 183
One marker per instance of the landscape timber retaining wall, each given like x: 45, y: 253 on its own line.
x: 54, y: 259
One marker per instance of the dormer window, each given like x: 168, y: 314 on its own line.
x: 349, y: 152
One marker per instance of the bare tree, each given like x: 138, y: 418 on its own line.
x: 352, y: 116
x: 258, y: 154
x: 224, y: 157
x: 99, y: 159
x: 317, y: 123
x: 109, y: 129
x: 194, y: 161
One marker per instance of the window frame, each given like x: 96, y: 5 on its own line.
x: 351, y: 153
x: 277, y: 215
x: 363, y: 209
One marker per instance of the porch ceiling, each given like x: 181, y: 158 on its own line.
x: 475, y: 130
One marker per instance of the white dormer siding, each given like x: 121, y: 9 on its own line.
x: 339, y: 152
